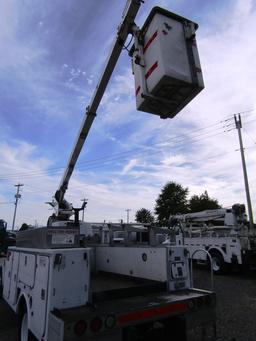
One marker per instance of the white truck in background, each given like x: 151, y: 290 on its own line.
x: 223, y: 232
x: 105, y: 291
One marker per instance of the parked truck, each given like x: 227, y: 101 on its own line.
x: 104, y: 290
x: 7, y: 238
x: 223, y: 232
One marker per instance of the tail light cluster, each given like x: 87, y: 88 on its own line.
x: 95, y: 325
x: 80, y: 327
x: 103, y: 323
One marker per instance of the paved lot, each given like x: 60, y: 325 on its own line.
x: 236, y: 307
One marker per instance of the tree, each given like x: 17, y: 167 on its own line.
x: 202, y: 202
x: 144, y: 216
x: 172, y: 200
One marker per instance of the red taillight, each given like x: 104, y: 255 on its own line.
x: 96, y: 324
x: 80, y: 328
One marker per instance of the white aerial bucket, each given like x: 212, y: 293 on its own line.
x: 166, y: 64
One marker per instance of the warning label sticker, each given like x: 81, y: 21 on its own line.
x: 63, y: 238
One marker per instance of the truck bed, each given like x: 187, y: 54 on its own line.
x: 105, y: 286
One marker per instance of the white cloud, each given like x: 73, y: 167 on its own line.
x: 173, y: 160
x: 130, y: 165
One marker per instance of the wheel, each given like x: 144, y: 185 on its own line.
x: 24, y: 333
x: 24, y: 327
x: 218, y: 264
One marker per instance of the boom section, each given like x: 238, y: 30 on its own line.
x: 125, y: 27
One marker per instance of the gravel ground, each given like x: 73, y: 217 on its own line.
x: 236, y: 307
x: 236, y: 304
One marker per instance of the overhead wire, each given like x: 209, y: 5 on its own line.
x: 246, y: 132
x: 244, y: 112
x: 131, y: 178
x: 95, y: 166
x: 98, y: 162
x: 114, y: 156
x: 124, y: 152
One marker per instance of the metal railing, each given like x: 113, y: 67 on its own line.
x: 191, y: 267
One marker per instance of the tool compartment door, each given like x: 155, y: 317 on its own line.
x: 39, y: 296
x: 70, y: 278
x: 27, y: 268
x: 14, y: 278
x: 7, y: 273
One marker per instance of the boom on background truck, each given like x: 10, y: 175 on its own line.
x: 106, y: 291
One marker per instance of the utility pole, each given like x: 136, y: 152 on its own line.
x: 17, y: 197
x: 84, y: 201
x: 238, y: 123
x: 128, y: 211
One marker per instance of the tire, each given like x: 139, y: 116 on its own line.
x: 24, y: 333
x: 218, y: 264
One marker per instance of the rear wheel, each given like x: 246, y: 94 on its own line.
x: 218, y: 264
x: 24, y: 328
x: 24, y: 332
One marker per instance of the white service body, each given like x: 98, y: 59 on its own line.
x: 46, y: 279
x: 163, y: 263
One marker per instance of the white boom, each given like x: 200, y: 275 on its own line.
x: 228, y: 216
x: 64, y: 209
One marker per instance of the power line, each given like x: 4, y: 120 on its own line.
x: 245, y: 112
x: 110, y: 160
x: 138, y: 179
x: 100, y: 158
x: 94, y: 163
x: 250, y: 136
x: 249, y: 122
x: 110, y: 156
x: 98, y: 162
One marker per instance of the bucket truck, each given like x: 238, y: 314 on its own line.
x: 223, y: 232
x: 105, y: 291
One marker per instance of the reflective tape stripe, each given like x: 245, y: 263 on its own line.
x: 153, y: 67
x: 159, y: 311
x: 137, y: 90
x: 150, y: 41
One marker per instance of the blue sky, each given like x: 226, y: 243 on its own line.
x: 52, y: 53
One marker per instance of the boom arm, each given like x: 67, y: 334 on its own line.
x: 129, y: 14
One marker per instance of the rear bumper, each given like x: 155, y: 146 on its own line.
x: 187, y: 316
